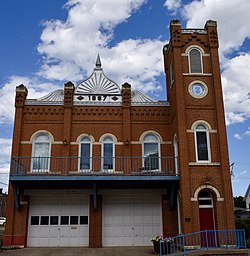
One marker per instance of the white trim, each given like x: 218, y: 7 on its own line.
x: 190, y: 47
x: 191, y: 91
x: 208, y: 144
x: 210, y: 131
x: 176, y: 154
x: 198, y: 48
x: 216, y: 191
x: 203, y: 163
x: 79, y: 139
x: 106, y: 135
x: 113, y: 149
x: 203, y: 54
x: 52, y: 142
x: 197, y: 122
x: 162, y: 143
x: 153, y: 142
x: 197, y: 74
x: 148, y: 132
x: 33, y: 136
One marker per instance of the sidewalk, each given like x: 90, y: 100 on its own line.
x: 73, y: 251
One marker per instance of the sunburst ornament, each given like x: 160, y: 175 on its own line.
x: 98, y: 83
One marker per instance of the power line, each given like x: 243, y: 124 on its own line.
x: 9, y: 103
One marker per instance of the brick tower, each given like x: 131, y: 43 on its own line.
x: 194, y: 91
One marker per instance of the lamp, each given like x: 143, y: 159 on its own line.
x: 126, y: 142
x: 65, y: 142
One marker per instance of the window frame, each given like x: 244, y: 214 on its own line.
x: 206, y: 131
x: 112, y: 141
x: 189, y: 60
x: 171, y: 72
x: 157, y: 141
x: 35, y: 142
x: 90, y: 153
x: 207, y: 198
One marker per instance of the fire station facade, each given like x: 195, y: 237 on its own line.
x: 95, y: 165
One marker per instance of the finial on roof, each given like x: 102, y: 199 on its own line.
x: 98, y: 63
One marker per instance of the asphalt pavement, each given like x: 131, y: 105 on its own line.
x: 76, y: 251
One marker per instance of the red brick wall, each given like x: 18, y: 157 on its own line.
x: 95, y: 223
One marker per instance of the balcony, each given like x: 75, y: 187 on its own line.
x: 94, y: 173
x: 93, y: 166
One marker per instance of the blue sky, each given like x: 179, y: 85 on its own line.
x: 45, y: 43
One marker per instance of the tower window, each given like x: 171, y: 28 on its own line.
x: 195, y: 61
x: 202, y: 143
x: 171, y: 70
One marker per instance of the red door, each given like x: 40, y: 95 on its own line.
x: 207, y: 223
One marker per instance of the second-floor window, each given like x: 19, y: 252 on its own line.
x: 108, y: 153
x: 195, y: 61
x: 41, y: 152
x: 85, y: 154
x: 202, y: 143
x: 151, y: 152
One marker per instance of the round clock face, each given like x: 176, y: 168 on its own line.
x: 198, y: 90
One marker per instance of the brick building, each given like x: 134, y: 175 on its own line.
x: 95, y: 165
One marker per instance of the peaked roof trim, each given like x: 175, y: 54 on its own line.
x: 98, y: 83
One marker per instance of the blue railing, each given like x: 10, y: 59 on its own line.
x: 203, y: 241
x: 96, y: 165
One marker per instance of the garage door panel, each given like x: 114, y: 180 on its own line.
x: 57, y: 231
x: 127, y: 220
x: 117, y: 220
x: 44, y: 232
x: 138, y: 219
x: 132, y: 220
x: 43, y: 241
x: 127, y: 231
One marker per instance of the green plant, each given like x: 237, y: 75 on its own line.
x: 243, y: 224
x: 248, y: 243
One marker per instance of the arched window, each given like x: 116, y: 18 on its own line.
x: 205, y: 199
x: 151, y: 152
x: 85, y: 154
x: 195, y: 61
x: 202, y: 143
x: 108, y: 154
x: 41, y: 152
x: 176, y: 155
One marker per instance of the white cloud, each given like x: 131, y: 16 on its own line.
x: 240, y: 137
x: 235, y: 77
x: 70, y: 48
x: 36, y: 89
x: 237, y: 136
x: 232, y: 17
x: 173, y: 5
x: 5, y: 153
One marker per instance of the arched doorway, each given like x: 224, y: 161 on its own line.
x: 207, y: 218
x: 206, y: 210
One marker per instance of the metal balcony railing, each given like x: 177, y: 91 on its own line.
x: 119, y: 165
x: 203, y: 241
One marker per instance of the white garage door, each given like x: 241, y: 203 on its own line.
x: 131, y: 220
x: 58, y: 221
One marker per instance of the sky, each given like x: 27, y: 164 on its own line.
x: 46, y: 43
